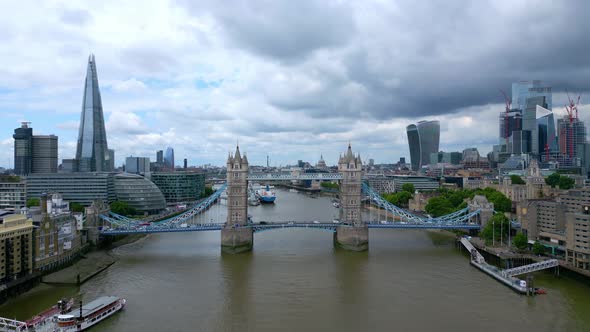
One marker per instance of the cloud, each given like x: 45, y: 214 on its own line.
x: 290, y: 79
x: 68, y: 125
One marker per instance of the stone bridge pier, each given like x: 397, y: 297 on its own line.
x: 352, y: 234
x: 236, y: 239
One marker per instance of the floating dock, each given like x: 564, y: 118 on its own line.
x: 507, y: 277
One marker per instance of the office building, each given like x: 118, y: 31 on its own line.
x: 44, y: 154
x: 23, y: 149
x: 160, y: 156
x: 453, y: 158
x: 111, y: 160
x: 572, y: 134
x: 169, y: 158
x: 16, y: 247
x: 81, y: 188
x: 423, y: 139
x: 137, y: 165
x: 420, y: 182
x: 84, y: 188
x: 13, y: 192
x: 92, y: 152
x: 139, y: 193
x: 180, y: 186
x: 185, y: 166
x: 382, y: 184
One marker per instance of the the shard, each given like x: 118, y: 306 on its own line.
x: 92, y: 152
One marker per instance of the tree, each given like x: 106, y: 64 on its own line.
x: 496, y: 229
x: 33, y: 202
x: 553, y: 179
x: 520, y: 241
x: 409, y: 188
x: 439, y: 206
x: 516, y: 179
x: 208, y: 191
x: 76, y: 207
x: 122, y: 208
x: 501, y: 202
x: 566, y: 183
x: 538, y: 248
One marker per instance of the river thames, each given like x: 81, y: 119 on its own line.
x: 294, y: 280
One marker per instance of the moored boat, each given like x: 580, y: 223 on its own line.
x: 266, y: 195
x: 89, y: 314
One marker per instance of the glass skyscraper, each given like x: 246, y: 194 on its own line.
x: 92, y: 152
x: 23, y: 149
x: 423, y: 139
x: 169, y: 158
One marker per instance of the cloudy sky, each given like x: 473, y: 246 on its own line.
x: 292, y: 79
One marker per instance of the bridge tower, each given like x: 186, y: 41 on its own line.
x: 353, y: 234
x: 234, y: 238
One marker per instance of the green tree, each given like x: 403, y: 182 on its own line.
x: 439, y: 206
x: 33, y: 202
x: 566, y: 183
x: 76, y: 207
x: 329, y: 185
x: 516, y: 179
x: 496, y: 229
x: 208, y: 191
x: 501, y: 202
x: 538, y: 248
x: 122, y: 208
x: 520, y: 241
x: 409, y: 188
x: 553, y: 179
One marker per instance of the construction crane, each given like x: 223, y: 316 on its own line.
x: 507, y: 109
x: 572, y: 113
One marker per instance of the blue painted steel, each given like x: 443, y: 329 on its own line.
x: 458, y: 220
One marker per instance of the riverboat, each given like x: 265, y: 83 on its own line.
x: 89, y: 314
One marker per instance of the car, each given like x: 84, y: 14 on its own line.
x: 291, y: 222
x: 383, y: 222
x: 336, y: 221
x: 316, y: 222
x: 183, y: 225
x: 263, y: 223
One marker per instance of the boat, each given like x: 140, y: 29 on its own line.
x: 45, y: 318
x: 266, y: 195
x: 293, y: 190
x: 89, y: 314
x: 336, y: 204
x: 540, y: 291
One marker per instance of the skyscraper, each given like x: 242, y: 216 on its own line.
x: 44, y: 154
x: 23, y: 149
x: 169, y: 158
x: 160, y: 156
x: 423, y: 139
x: 92, y: 152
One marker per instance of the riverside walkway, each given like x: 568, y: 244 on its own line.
x: 507, y: 277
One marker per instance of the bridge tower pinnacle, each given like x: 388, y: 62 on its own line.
x: 234, y: 237
x: 354, y: 233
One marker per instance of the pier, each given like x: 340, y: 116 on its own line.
x: 507, y: 277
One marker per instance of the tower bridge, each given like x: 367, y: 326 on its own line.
x: 350, y: 231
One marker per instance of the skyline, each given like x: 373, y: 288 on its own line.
x: 283, y: 88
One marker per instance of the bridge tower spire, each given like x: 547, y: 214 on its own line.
x: 354, y: 233
x: 234, y: 237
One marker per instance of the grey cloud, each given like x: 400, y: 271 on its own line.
x: 75, y: 16
x: 282, y: 30
x: 411, y: 59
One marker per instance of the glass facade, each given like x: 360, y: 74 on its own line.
x: 44, y: 154
x: 169, y: 158
x: 139, y: 192
x: 81, y: 188
x: 180, y: 186
x: 523, y: 90
x: 23, y: 149
x: 92, y: 153
x: 423, y: 140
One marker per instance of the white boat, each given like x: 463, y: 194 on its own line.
x: 336, y: 204
x: 89, y: 314
x: 293, y: 190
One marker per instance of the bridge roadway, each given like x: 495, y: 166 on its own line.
x: 257, y: 227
